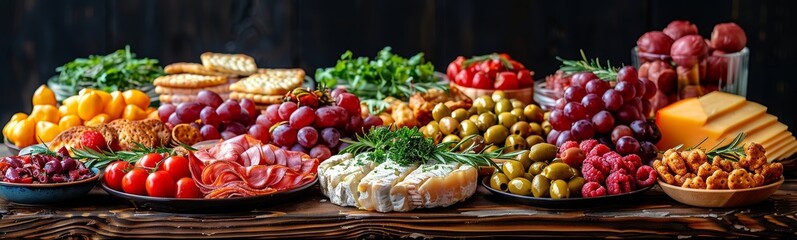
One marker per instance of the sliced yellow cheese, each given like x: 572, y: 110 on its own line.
x: 781, y: 137
x: 739, y: 117
x: 754, y: 126
x: 765, y: 134
x: 716, y: 105
x: 784, y: 153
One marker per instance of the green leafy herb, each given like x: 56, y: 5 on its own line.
x: 387, y: 75
x: 606, y: 72
x: 100, y: 159
x: 407, y: 146
x: 119, y: 70
x: 376, y: 107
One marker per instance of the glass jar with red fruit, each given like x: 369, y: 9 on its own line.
x: 483, y: 75
x: 683, y: 64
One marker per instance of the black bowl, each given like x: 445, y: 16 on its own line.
x: 568, y: 203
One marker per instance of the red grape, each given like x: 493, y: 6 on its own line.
x: 209, y: 98
x: 321, y: 152
x: 574, y: 93
x: 298, y: 148
x: 286, y: 109
x: 612, y: 100
x: 564, y: 136
x: 350, y: 102
x: 174, y: 120
x: 326, y: 117
x: 209, y: 132
x: 165, y: 110
x: 371, y: 122
x: 250, y: 107
x: 343, y: 144
x: 560, y: 104
x: 641, y: 129
x: 648, y: 151
x: 650, y: 88
x: 621, y: 131
x: 341, y: 116
x: 229, y: 111
x: 307, y: 137
x: 304, y: 116
x: 235, y: 127
x: 592, y: 103
x: 581, y: 79
x: 330, y: 136
x: 597, y: 86
x: 582, y: 130
x: 228, y: 135
x: 552, y: 136
x: 355, y: 124
x: 627, y: 114
x: 209, y: 116
x: 263, y: 120
x: 559, y: 121
x: 575, y: 111
x: 626, y: 89
x: 639, y: 88
x: 603, y: 122
x: 260, y: 132
x: 646, y: 108
x: 627, y: 145
x: 272, y: 113
x: 627, y: 74
x: 284, y: 135
x: 334, y: 94
x: 188, y: 111
x: 245, y: 118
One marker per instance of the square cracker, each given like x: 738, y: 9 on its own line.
x: 270, y: 82
x: 238, y: 64
x: 258, y: 98
x: 192, y: 68
x: 187, y: 80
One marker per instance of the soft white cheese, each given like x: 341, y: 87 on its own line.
x: 374, y: 188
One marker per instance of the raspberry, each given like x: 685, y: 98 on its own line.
x: 592, y: 174
x: 588, y: 145
x: 615, y: 161
x: 598, y: 150
x: 634, y: 159
x: 619, y: 182
x: 567, y: 145
x: 598, y: 163
x: 646, y: 176
x: 94, y: 140
x: 592, y: 189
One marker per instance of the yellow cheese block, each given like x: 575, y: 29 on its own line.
x: 784, y: 153
x: 718, y: 116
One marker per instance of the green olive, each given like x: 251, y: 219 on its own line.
x: 535, y: 129
x: 512, y: 169
x: 575, y: 185
x: 518, y: 112
x: 528, y: 176
x: 473, y: 110
x: 557, y: 160
x: 523, y: 157
x: 449, y: 125
x: 514, y: 143
x: 460, y: 114
x: 498, y: 95
x: 546, y: 115
x: 499, y: 181
x: 542, y: 152
x: 534, y: 140
x: 556, y: 171
x: 533, y: 113
x: 432, y: 130
x: 521, y: 128
x: 440, y: 111
x: 496, y: 134
x: 467, y: 128
x: 520, y: 186
x: 546, y: 128
x: 537, y: 167
x: 491, y: 149
x: 517, y: 104
x: 540, y: 186
x: 484, y: 104
x: 486, y: 120
x: 502, y: 106
x: 576, y: 172
x: 451, y: 138
x: 507, y: 119
x: 478, y: 140
x: 559, y: 189
x: 474, y: 118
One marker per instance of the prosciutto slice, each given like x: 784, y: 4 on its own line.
x: 242, y: 167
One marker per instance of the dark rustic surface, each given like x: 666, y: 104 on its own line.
x: 38, y: 36
x: 99, y: 215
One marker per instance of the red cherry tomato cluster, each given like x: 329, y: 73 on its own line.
x: 493, y: 71
x: 153, y: 175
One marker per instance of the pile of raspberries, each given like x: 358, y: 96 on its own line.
x: 604, y: 169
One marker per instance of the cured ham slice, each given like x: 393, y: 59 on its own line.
x: 241, y: 167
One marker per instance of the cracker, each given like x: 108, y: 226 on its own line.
x: 258, y: 98
x: 270, y: 82
x: 239, y: 64
x: 186, y: 80
x: 185, y: 134
x: 180, y: 98
x: 149, y: 132
x: 223, y: 88
x: 192, y: 68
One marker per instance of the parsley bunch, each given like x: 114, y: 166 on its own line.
x: 120, y: 70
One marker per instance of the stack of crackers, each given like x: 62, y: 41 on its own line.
x: 216, y: 73
x: 267, y: 86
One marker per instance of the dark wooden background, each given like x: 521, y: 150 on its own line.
x: 38, y: 36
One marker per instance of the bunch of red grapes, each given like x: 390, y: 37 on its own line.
x: 616, y: 116
x: 214, y: 117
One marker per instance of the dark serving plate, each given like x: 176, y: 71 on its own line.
x: 47, y: 193
x: 568, y: 203
x: 201, y: 205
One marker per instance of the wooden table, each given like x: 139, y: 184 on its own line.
x: 99, y: 215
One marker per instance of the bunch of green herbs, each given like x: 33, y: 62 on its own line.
x: 120, y: 70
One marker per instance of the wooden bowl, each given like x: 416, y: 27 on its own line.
x: 720, y: 198
x: 525, y: 95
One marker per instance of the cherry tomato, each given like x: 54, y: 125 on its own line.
x: 516, y: 66
x: 464, y: 78
x: 114, y: 173
x: 524, y: 78
x: 134, y: 182
x: 177, y: 166
x: 186, y: 188
x: 506, y: 81
x: 491, y: 68
x: 480, y: 80
x: 454, y: 67
x: 160, y: 184
x: 505, y: 56
x: 150, y: 160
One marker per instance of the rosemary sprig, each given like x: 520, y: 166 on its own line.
x: 733, y: 151
x: 407, y: 146
x: 482, y: 58
x: 606, y: 72
x: 102, y: 158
